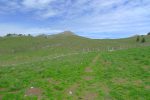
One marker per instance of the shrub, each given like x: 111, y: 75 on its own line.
x: 143, y: 40
x: 138, y: 39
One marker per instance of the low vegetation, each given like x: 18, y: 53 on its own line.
x: 69, y: 67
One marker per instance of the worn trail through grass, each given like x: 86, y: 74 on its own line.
x: 85, y: 88
x: 117, y: 75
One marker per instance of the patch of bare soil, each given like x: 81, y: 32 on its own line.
x: 52, y: 81
x: 89, y: 96
x: 120, y: 81
x: 2, y: 89
x: 93, y: 85
x: 71, y: 90
x: 146, y: 68
x: 147, y: 87
x: 107, y: 63
x: 1, y: 97
x: 88, y: 69
x: 87, y: 78
x: 34, y: 92
x: 137, y: 82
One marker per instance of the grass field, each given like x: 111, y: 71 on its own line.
x: 69, y: 67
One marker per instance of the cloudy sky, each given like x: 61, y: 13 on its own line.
x: 91, y: 18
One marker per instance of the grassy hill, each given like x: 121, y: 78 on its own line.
x: 26, y: 48
x: 69, y: 67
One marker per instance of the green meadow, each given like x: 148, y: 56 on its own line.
x: 70, y: 67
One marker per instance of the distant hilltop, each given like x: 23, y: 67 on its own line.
x: 67, y: 33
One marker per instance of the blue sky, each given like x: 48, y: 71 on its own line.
x: 90, y: 18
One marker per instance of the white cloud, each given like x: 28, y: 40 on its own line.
x: 7, y: 7
x: 36, y: 4
x: 131, y: 17
x: 86, y: 15
x: 41, y: 8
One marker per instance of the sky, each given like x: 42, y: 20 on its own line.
x: 90, y: 18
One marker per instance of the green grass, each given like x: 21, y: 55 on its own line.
x: 118, y: 75
x: 125, y: 73
x: 24, y: 49
x: 53, y: 66
x: 61, y: 72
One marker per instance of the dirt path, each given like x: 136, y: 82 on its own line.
x: 85, y: 88
x: 88, y: 93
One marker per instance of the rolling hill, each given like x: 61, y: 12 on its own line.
x: 27, y: 47
x: 65, y: 66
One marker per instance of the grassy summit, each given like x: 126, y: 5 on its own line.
x: 67, y: 33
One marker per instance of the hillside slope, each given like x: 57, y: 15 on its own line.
x: 118, y: 75
x: 26, y: 48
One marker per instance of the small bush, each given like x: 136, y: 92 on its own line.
x: 143, y: 40
x: 138, y: 39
